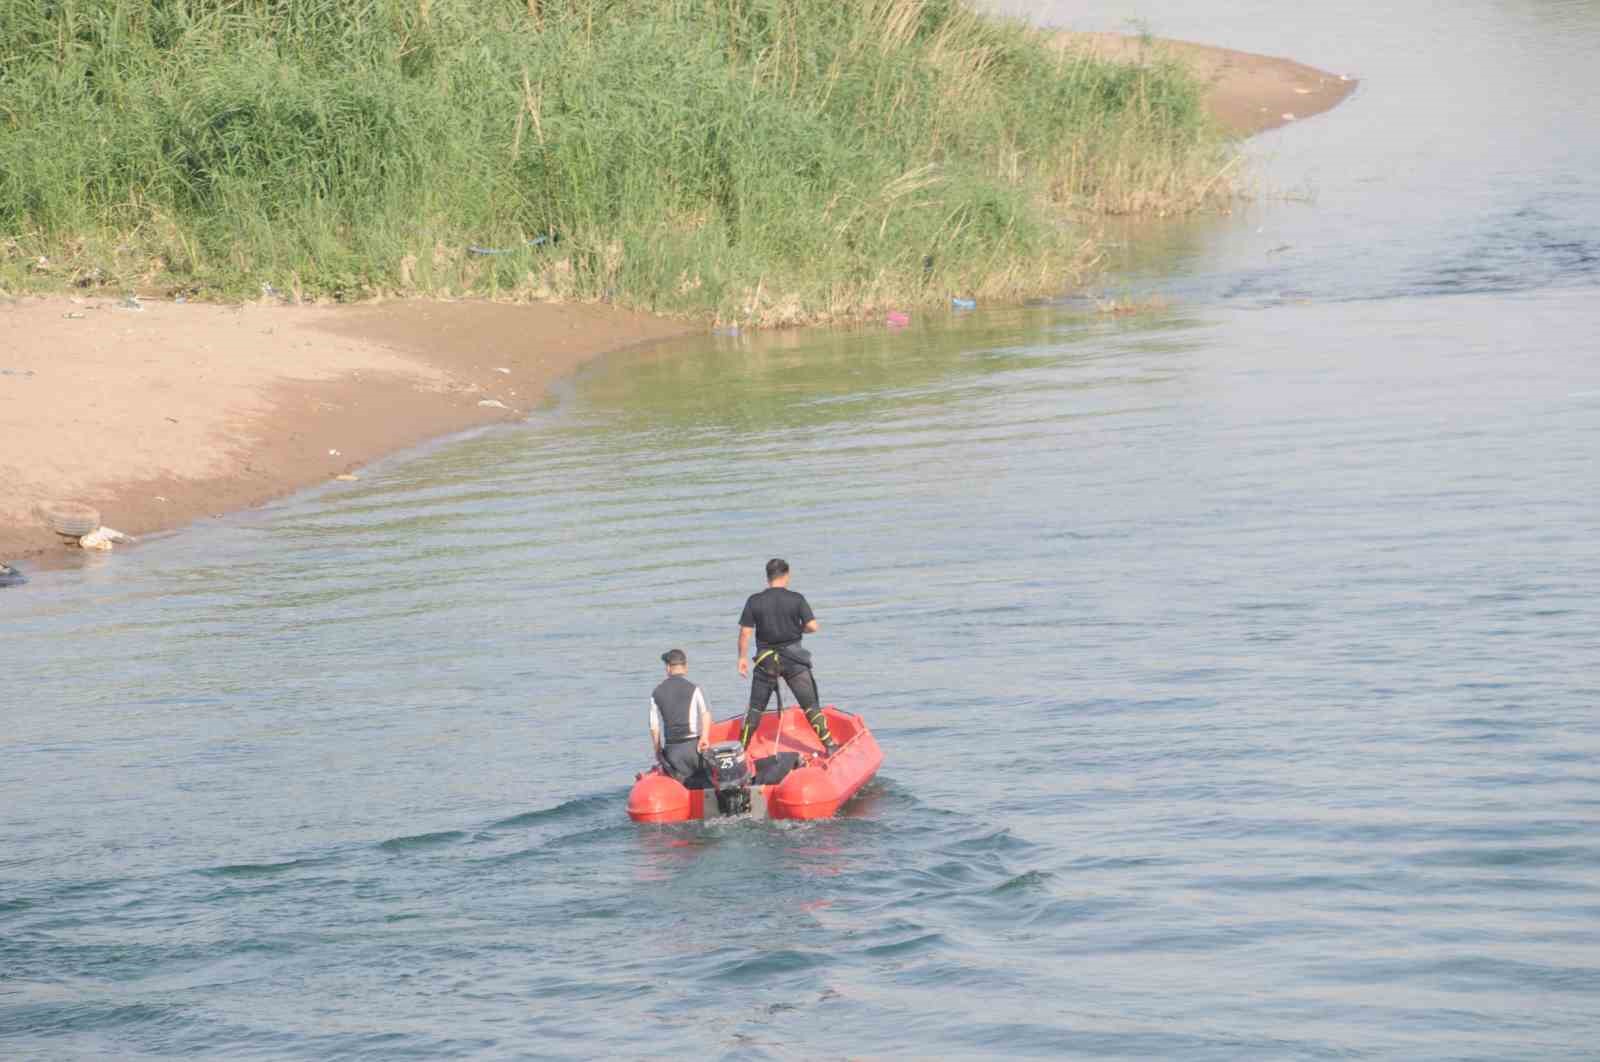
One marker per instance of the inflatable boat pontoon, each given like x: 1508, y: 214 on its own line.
x: 784, y: 774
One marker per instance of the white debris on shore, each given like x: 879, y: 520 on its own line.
x: 104, y: 538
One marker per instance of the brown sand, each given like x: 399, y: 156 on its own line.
x: 167, y: 413
x: 1247, y: 93
x: 162, y: 415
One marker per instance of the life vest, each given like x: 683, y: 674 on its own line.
x: 675, y: 708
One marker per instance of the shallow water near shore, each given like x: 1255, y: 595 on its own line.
x: 1235, y: 663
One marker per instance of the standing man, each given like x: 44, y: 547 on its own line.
x: 679, y: 719
x: 779, y: 617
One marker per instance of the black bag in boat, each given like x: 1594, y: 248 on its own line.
x: 770, y: 770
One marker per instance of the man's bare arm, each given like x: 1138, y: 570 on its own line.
x: 744, y: 649
x: 810, y: 627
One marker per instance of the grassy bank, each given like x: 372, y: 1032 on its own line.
x: 784, y: 160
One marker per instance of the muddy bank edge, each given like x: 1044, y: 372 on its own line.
x: 162, y: 413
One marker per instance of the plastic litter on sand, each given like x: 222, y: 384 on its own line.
x: 535, y: 242
x: 103, y: 538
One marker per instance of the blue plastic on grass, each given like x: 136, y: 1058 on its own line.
x: 963, y: 304
x: 535, y: 242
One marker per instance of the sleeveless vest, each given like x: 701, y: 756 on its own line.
x: 675, y: 706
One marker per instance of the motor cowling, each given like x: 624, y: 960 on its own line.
x: 728, y: 767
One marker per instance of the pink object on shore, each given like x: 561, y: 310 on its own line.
x: 896, y: 319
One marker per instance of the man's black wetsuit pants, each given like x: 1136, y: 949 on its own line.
x: 769, y: 665
x: 681, y: 759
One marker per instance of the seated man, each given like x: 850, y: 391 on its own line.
x: 679, y: 719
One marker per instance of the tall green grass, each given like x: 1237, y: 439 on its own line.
x: 769, y: 160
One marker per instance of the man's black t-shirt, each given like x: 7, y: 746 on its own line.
x: 779, y: 616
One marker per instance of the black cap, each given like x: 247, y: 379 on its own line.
x: 674, y: 658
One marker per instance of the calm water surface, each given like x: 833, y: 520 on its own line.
x: 1236, y: 665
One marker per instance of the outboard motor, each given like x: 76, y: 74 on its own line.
x: 729, y: 770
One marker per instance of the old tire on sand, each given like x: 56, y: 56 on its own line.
x: 71, y: 518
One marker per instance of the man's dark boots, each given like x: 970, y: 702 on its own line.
x: 819, y: 723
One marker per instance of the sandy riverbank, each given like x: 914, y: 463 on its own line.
x: 1245, y: 93
x: 162, y: 414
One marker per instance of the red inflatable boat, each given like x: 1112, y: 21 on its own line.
x: 808, y: 785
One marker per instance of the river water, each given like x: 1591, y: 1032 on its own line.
x: 1236, y: 663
